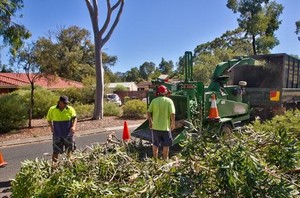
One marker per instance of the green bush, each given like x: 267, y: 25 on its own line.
x: 126, y: 99
x: 111, y: 109
x: 120, y: 87
x: 13, y: 112
x: 83, y: 110
x: 74, y: 94
x: 85, y: 95
x: 88, y: 95
x: 134, y: 109
x: 43, y: 100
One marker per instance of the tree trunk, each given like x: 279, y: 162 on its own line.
x: 253, y: 44
x: 98, y: 108
x: 31, y: 104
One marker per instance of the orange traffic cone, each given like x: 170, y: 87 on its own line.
x: 126, y: 134
x: 2, y: 162
x: 213, y: 111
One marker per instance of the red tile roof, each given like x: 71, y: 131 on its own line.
x: 49, y: 82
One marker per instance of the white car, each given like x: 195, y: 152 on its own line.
x: 114, y: 98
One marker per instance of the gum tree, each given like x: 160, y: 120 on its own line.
x: 101, y: 36
x: 298, y: 29
x: 259, y: 19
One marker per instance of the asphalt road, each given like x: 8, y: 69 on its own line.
x: 15, y: 155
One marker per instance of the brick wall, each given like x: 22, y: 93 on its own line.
x: 131, y: 94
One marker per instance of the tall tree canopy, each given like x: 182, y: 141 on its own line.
x: 146, y: 70
x: 133, y: 75
x: 166, y: 67
x: 259, y: 19
x: 208, y: 55
x: 298, y: 29
x: 12, y: 34
x: 69, y: 53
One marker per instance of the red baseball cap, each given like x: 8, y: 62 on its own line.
x: 162, y: 89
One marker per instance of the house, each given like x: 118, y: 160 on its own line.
x: 164, y: 77
x: 13, y: 81
x: 144, y: 86
x: 130, y: 86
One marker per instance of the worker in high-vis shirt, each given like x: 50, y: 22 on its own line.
x: 62, y: 121
x: 161, y: 117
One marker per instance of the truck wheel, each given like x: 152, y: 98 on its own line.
x: 226, y: 129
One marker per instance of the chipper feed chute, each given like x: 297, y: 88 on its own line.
x: 182, y: 113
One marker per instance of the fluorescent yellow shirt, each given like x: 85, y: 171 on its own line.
x: 161, y: 108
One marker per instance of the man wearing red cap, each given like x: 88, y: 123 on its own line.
x: 161, y: 117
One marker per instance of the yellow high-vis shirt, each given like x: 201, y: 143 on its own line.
x: 161, y: 108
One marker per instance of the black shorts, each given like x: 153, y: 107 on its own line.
x: 61, y: 144
x: 162, y: 138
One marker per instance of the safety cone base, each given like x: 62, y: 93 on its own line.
x: 215, y: 119
x: 3, y: 164
x: 2, y: 161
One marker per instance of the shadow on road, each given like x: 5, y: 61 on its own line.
x: 5, y: 184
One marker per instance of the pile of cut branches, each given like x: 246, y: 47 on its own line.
x: 262, y: 160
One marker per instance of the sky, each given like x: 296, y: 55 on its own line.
x: 150, y: 30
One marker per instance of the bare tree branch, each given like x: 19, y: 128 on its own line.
x: 108, y: 15
x: 93, y: 15
x: 106, y: 38
x: 116, y: 5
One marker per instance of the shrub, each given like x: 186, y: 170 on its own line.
x: 126, y: 99
x: 120, y: 87
x: 111, y: 109
x: 74, y: 94
x: 13, y: 112
x: 83, y: 110
x: 134, y: 109
x: 43, y: 100
x: 88, y: 95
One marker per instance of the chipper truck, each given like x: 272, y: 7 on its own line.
x: 273, y: 86
x: 193, y: 101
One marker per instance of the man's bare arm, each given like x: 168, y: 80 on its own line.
x: 74, y: 123
x: 149, y: 119
x: 172, y: 121
x: 51, y: 126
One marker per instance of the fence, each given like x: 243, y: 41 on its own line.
x: 131, y: 94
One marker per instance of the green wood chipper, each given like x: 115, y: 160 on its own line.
x: 193, y: 100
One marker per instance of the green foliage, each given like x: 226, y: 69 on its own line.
x: 83, y: 110
x: 126, y: 99
x: 146, y: 70
x: 208, y: 55
x: 41, y: 103
x: 120, y: 87
x: 281, y: 145
x: 298, y: 28
x: 133, y: 75
x: 75, y: 95
x: 13, y: 112
x: 70, y: 54
x: 111, y: 109
x: 259, y: 19
x: 13, y: 34
x: 243, y: 164
x: 166, y: 67
x: 134, y: 109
